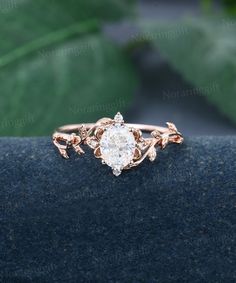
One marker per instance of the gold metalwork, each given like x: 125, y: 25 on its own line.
x: 73, y: 136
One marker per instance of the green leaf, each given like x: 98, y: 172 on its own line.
x: 230, y: 6
x: 204, y: 52
x: 56, y: 67
x: 80, y: 81
x: 29, y: 20
x: 207, y: 5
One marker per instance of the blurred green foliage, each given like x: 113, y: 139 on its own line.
x: 204, y: 52
x: 206, y: 5
x: 230, y: 6
x: 57, y: 67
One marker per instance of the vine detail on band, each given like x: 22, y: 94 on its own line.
x: 146, y: 147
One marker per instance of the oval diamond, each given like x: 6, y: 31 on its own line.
x: 117, y: 147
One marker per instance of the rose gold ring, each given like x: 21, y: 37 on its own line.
x: 119, y: 145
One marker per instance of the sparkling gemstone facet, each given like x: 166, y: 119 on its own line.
x: 117, y: 146
x: 118, y: 118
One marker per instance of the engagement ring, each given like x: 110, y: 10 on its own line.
x: 119, y: 145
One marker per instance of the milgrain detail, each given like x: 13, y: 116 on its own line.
x: 120, y: 146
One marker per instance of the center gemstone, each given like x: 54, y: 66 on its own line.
x: 117, y: 146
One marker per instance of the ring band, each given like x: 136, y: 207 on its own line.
x: 119, y: 145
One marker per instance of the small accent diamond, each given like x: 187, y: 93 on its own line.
x: 118, y: 118
x: 116, y: 172
x: 152, y: 155
x: 92, y: 142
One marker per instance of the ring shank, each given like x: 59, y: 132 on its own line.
x: 144, y: 128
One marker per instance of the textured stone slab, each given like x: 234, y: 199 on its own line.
x: 173, y: 220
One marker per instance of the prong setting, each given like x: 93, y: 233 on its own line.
x: 120, y: 146
x: 118, y: 119
x: 97, y: 152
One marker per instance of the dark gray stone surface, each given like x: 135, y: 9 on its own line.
x: 173, y: 220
